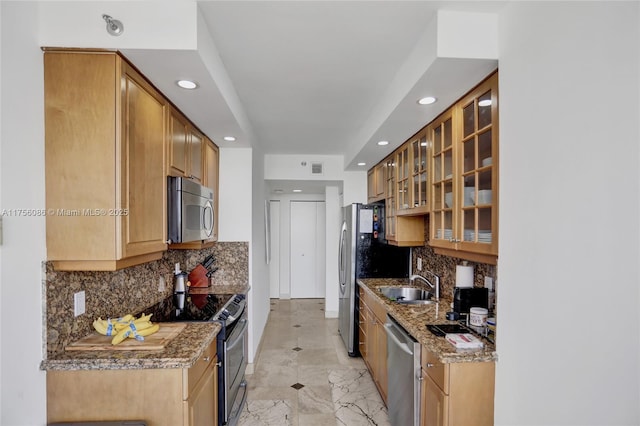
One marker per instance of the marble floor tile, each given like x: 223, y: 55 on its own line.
x: 266, y: 413
x: 329, y: 387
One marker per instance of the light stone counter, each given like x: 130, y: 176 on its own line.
x: 181, y: 352
x: 414, y: 318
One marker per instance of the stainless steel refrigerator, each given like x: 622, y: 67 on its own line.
x: 363, y: 253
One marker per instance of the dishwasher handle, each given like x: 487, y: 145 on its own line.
x: 388, y: 328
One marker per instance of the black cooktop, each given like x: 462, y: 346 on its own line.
x: 442, y: 329
x: 197, y: 307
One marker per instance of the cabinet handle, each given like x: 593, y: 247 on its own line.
x: 169, y: 242
x: 219, y: 364
x: 429, y: 365
x: 206, y: 359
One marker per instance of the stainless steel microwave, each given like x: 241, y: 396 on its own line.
x: 190, y: 212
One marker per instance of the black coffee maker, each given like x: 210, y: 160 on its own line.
x: 466, y: 298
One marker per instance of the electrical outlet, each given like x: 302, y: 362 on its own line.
x: 488, y: 283
x: 419, y: 264
x: 78, y: 303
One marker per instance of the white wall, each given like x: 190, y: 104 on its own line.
x: 354, y: 188
x: 236, y: 180
x: 568, y: 296
x: 22, y: 384
x: 298, y: 167
x: 259, y: 271
x: 333, y: 213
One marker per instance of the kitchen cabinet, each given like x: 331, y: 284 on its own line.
x: 373, y: 340
x: 464, y: 180
x: 456, y: 394
x: 419, y: 175
x: 104, y: 162
x: 179, y: 397
x: 211, y: 179
x: 376, y: 183
x: 185, y: 148
x: 401, y: 227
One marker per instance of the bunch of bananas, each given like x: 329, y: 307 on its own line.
x: 126, y: 326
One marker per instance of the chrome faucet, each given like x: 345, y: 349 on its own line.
x: 414, y: 277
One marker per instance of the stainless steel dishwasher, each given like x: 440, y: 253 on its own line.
x: 403, y: 368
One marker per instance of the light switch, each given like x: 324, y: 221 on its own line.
x: 78, y: 303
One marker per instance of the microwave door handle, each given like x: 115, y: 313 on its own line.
x: 207, y: 213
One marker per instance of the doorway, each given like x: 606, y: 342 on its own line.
x: 307, y: 253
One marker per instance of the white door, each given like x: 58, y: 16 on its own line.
x: 307, y: 249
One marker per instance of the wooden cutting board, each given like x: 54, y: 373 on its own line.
x: 156, y: 341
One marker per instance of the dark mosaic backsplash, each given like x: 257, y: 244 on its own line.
x: 445, y: 267
x: 130, y: 290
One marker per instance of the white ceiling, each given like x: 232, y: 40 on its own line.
x: 315, y: 77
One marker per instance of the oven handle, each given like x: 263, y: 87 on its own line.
x: 244, y: 323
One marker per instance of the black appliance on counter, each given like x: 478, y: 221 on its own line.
x: 364, y: 253
x: 466, y: 298
x: 229, y: 310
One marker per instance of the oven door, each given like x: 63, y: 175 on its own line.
x: 235, y: 364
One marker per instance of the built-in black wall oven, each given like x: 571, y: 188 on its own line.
x: 231, y: 313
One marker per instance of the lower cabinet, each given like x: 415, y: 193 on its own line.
x: 456, y: 394
x: 373, y: 340
x: 176, y: 397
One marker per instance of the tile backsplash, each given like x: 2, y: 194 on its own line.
x: 129, y: 290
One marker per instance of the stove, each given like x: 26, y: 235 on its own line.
x: 229, y: 310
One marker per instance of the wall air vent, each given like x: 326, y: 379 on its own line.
x: 316, y: 168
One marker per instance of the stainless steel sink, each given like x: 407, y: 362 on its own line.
x: 407, y: 295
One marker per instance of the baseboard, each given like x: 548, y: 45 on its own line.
x: 331, y: 314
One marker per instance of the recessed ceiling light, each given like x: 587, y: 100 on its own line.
x: 383, y: 143
x: 484, y: 102
x: 187, y: 84
x: 427, y: 100
x: 297, y: 190
x: 362, y: 164
x: 278, y: 191
x: 229, y: 138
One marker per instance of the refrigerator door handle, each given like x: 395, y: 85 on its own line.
x: 343, y: 260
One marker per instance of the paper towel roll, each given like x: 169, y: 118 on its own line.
x: 464, y: 276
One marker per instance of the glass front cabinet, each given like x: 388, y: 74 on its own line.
x: 448, y: 172
x: 464, y: 182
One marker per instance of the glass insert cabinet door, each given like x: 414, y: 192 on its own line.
x: 402, y: 160
x: 420, y: 170
x: 478, y: 177
x: 390, y: 214
x: 440, y: 135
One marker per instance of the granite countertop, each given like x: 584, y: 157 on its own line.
x: 414, y: 319
x: 181, y: 352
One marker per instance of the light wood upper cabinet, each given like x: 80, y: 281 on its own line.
x: 211, y: 178
x: 104, y: 162
x: 376, y: 183
x: 464, y: 216
x: 402, y: 228
x: 185, y: 146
